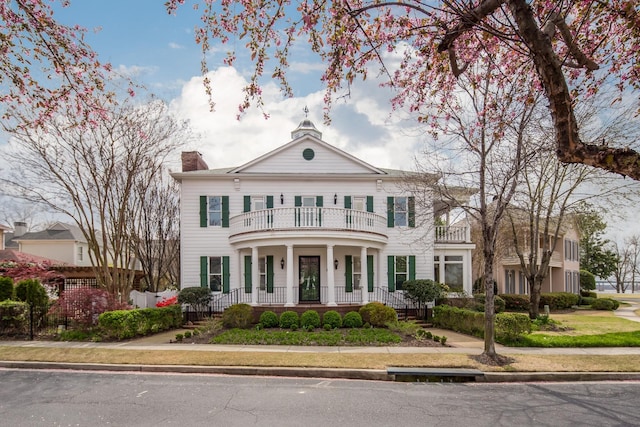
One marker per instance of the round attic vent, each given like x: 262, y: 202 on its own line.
x: 308, y: 154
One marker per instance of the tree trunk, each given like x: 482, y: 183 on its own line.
x: 489, y: 308
x: 535, y: 289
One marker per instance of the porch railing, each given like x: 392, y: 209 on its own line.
x: 308, y: 218
x: 452, y: 234
x: 279, y: 297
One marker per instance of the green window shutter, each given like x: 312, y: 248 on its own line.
x: 412, y: 211
x: 319, y: 205
x: 370, y: 273
x: 369, y: 203
x: 203, y: 211
x: 348, y: 273
x: 297, y: 201
x: 226, y: 274
x: 269, y: 202
x: 319, y: 201
x: 412, y: 267
x: 390, y: 212
x: 204, y: 271
x: 247, y: 204
x: 270, y: 274
x: 225, y: 211
x: 391, y: 276
x: 347, y: 202
x: 247, y: 274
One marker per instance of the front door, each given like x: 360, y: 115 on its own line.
x: 309, y: 279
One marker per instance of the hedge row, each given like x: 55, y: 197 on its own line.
x: 508, y: 326
x: 555, y: 301
x: 123, y: 324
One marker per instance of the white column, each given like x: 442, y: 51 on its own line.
x: 364, y: 278
x: 255, y: 276
x: 289, y: 276
x: 331, y: 283
x: 239, y: 274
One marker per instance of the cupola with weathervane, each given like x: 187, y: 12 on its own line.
x: 306, y: 127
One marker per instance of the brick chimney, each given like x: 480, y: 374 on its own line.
x: 193, y: 161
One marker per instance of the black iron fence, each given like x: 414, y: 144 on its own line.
x: 25, y: 321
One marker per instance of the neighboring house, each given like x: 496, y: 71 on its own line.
x: 308, y: 223
x: 3, y: 230
x: 19, y: 228
x: 564, y: 267
x: 63, y: 242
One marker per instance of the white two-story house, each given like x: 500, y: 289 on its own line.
x: 307, y: 223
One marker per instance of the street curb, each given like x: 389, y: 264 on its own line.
x: 498, y: 377
x: 356, y: 374
x: 330, y: 373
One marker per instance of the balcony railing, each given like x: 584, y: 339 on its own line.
x: 452, y: 234
x: 318, y: 218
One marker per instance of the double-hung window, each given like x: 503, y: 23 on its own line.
x: 401, y: 211
x: 215, y: 211
x: 214, y: 273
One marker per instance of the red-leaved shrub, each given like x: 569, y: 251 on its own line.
x: 84, y: 305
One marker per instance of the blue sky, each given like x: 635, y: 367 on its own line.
x: 140, y: 39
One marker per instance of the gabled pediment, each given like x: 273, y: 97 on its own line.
x: 307, y: 155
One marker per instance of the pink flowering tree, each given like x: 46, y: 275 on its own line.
x: 570, y: 49
x: 45, y: 66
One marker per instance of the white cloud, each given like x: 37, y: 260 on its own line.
x: 364, y: 128
x: 173, y: 45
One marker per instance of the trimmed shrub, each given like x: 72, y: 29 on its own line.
x: 32, y: 292
x: 509, y: 326
x: 498, y: 303
x: 196, y: 297
x: 124, y: 324
x: 559, y: 300
x: 14, y: 317
x: 589, y: 294
x: 238, y: 316
x: 516, y: 302
x: 377, y: 314
x: 269, y: 319
x: 352, y: 320
x: 332, y: 318
x: 310, y: 319
x: 289, y: 319
x: 587, y: 300
x: 603, y: 304
x: 6, y: 288
x: 587, y: 280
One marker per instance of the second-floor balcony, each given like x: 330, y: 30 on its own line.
x: 308, y: 220
x: 324, y: 219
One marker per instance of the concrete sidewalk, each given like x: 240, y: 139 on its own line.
x: 456, y: 344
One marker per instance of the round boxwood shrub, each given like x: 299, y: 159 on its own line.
x: 352, y: 320
x: 332, y: 318
x: 377, y: 314
x: 238, y: 316
x: 269, y: 319
x: 310, y: 319
x: 289, y: 319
